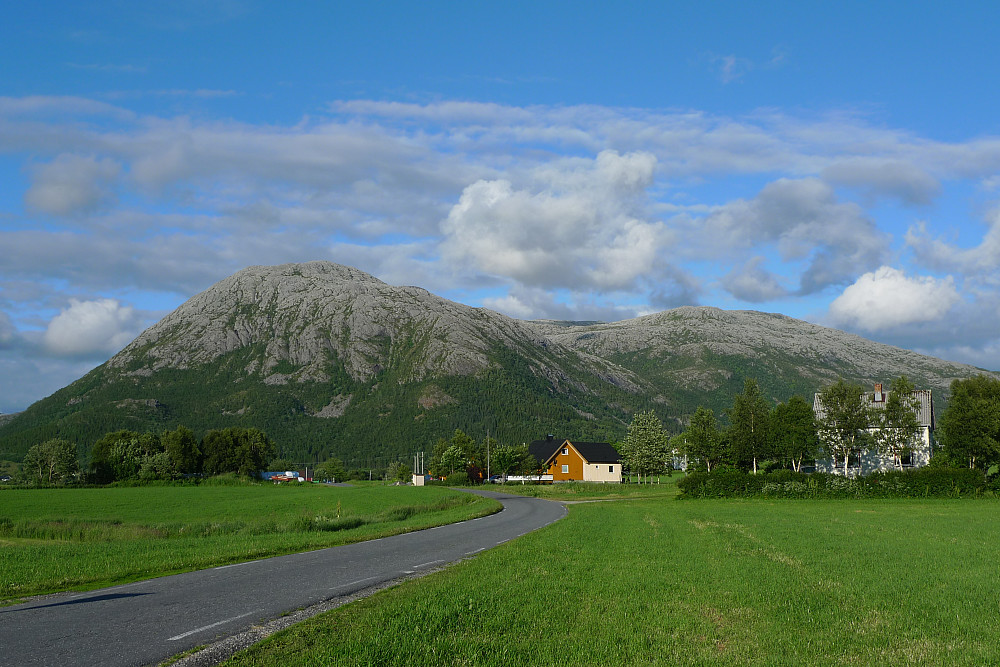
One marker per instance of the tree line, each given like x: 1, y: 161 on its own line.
x: 786, y: 435
x: 128, y: 455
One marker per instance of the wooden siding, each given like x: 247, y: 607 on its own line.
x: 572, y: 459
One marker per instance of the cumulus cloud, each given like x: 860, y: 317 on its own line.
x: 752, y: 283
x: 875, y: 178
x: 803, y: 219
x: 532, y: 303
x: 936, y: 253
x: 71, y: 184
x: 585, y: 229
x: 88, y: 328
x: 888, y: 298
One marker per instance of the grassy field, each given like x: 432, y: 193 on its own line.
x: 699, y: 582
x: 75, y: 539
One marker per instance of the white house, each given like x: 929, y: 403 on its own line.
x: 871, y: 460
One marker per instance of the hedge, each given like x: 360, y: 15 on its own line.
x: 914, y: 483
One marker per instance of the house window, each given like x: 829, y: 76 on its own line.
x: 611, y: 468
x: 565, y: 468
x: 565, y: 451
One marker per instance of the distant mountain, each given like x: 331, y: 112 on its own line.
x: 330, y: 360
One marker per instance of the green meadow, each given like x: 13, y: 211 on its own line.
x: 77, y: 539
x: 730, y: 582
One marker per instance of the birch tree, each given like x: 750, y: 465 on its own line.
x: 897, y: 421
x: 749, y: 429
x: 844, y: 421
x: 646, y: 448
x: 703, y: 440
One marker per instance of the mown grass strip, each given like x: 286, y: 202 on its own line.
x: 78, y: 539
x: 712, y: 582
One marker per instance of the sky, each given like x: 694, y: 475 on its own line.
x: 576, y: 160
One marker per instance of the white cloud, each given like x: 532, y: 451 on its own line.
x: 89, y: 328
x: 983, y: 258
x: 752, y: 283
x: 731, y: 68
x: 880, y: 177
x: 532, y: 303
x: 887, y: 298
x: 71, y: 184
x: 583, y: 228
x: 833, y: 241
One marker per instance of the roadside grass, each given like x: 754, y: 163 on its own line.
x: 706, y: 582
x: 662, y: 487
x: 78, y: 539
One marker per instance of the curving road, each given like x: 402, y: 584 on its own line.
x: 148, y: 621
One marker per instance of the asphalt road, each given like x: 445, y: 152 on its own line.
x: 148, y: 621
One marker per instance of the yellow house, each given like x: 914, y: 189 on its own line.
x: 578, y: 461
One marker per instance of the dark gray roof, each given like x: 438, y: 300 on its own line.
x: 593, y: 452
x: 925, y: 412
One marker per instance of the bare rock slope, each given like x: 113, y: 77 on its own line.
x: 306, y: 316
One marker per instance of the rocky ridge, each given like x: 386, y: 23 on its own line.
x: 306, y: 315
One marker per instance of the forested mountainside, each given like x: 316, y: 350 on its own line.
x: 329, y: 360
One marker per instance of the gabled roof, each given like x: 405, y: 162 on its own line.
x: 925, y: 410
x: 592, y: 452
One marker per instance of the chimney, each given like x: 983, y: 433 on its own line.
x: 879, y: 396
x: 549, y: 436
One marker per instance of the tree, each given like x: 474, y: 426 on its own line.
x: 843, y: 421
x: 280, y: 465
x: 51, y: 461
x: 157, y: 466
x: 453, y: 458
x: 511, y: 459
x: 331, y: 469
x: 897, y: 422
x: 398, y: 472
x: 436, y: 465
x: 459, y: 453
x: 970, y: 425
x: 183, y: 449
x: 793, y: 431
x: 703, y: 440
x: 646, y: 448
x: 245, y: 451
x: 749, y: 430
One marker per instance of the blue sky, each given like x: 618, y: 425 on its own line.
x: 563, y: 159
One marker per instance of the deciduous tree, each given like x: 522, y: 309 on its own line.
x: 844, y: 421
x: 51, y: 461
x: 793, y: 431
x: 897, y: 422
x: 749, y: 430
x: 970, y: 425
x: 646, y: 448
x: 703, y: 440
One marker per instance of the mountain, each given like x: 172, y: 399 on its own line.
x: 330, y: 360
